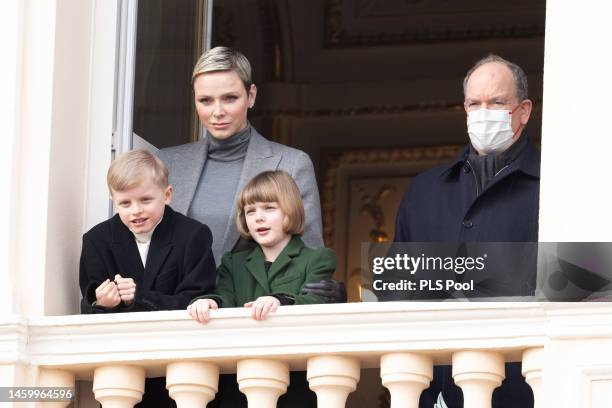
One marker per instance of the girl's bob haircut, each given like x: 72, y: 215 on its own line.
x: 273, y: 186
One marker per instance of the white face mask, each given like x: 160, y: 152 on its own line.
x: 490, y: 130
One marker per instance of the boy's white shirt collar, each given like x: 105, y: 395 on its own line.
x: 145, y: 237
x: 143, y: 242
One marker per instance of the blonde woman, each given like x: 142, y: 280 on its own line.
x: 208, y: 174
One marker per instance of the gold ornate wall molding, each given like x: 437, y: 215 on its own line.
x: 392, y: 161
x: 350, y: 23
x: 361, y: 194
x: 371, y: 110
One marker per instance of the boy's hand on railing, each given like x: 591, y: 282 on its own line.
x: 263, y: 305
x: 107, y: 294
x: 126, y: 288
x: 200, y: 309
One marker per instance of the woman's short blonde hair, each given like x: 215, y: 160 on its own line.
x: 273, y: 186
x: 224, y: 59
x: 132, y: 168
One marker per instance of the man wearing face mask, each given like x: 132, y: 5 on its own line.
x: 490, y: 193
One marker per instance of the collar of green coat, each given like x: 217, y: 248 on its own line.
x: 255, y: 262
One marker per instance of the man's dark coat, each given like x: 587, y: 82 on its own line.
x: 444, y: 205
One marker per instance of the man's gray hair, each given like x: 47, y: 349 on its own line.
x: 520, y: 79
x: 224, y: 59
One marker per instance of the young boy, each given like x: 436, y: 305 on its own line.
x: 146, y: 257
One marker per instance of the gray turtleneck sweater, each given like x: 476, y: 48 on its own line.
x: 218, y: 184
x: 489, y: 166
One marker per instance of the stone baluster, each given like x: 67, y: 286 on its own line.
x: 478, y: 373
x: 533, y: 363
x: 332, y: 378
x: 118, y: 386
x: 262, y: 381
x: 56, y: 378
x: 406, y: 375
x: 192, y: 384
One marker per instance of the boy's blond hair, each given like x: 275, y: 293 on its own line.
x: 272, y: 186
x: 132, y: 168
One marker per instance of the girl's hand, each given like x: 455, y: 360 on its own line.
x: 107, y: 294
x: 262, y: 306
x: 200, y: 310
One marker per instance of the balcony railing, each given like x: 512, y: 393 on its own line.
x: 566, y: 351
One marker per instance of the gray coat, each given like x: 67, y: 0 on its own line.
x: 186, y: 162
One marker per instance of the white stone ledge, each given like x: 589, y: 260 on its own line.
x: 365, y: 330
x: 13, y: 340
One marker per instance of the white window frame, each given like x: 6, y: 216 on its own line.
x: 112, y: 96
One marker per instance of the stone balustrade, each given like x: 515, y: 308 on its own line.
x: 331, y: 342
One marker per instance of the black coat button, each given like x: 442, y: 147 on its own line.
x: 468, y: 224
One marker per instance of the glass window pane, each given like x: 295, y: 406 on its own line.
x: 168, y: 43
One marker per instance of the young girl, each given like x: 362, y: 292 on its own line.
x: 271, y: 212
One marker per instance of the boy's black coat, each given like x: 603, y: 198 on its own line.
x: 180, y: 264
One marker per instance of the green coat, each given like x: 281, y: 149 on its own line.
x: 243, y: 277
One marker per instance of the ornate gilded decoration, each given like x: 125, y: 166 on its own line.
x: 350, y: 23
x: 372, y: 157
x: 364, y: 110
x: 371, y: 207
